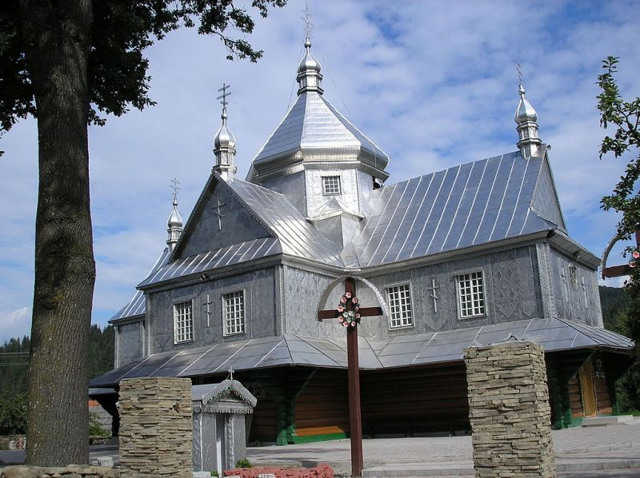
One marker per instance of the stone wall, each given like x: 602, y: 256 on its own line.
x: 509, y: 411
x: 71, y: 471
x: 155, y: 427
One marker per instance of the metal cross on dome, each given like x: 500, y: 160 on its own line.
x: 225, y: 94
x: 175, y: 186
x: 308, y: 26
x: 355, y: 415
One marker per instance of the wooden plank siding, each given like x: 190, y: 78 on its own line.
x: 322, y: 407
x: 415, y: 400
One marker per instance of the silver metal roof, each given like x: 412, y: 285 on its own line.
x: 205, y: 393
x: 292, y: 234
x: 313, y: 129
x: 137, y: 304
x: 467, y: 205
x: 437, y: 347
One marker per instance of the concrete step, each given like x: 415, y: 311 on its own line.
x: 442, y: 470
x: 602, y: 421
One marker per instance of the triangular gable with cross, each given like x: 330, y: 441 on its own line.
x: 349, y: 313
x: 219, y: 219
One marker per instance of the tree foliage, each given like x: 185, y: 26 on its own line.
x: 69, y: 63
x: 120, y: 32
x: 622, y: 117
x: 625, y: 141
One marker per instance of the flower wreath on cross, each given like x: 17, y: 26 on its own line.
x: 348, y: 316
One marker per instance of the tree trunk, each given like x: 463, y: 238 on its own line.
x: 57, y: 38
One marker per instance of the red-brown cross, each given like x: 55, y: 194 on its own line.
x: 355, y: 417
x: 621, y: 270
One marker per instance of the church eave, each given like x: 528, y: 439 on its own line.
x: 562, y: 242
x: 455, y: 254
x: 205, y: 275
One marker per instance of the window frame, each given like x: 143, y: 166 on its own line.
x: 459, y: 277
x: 181, y: 337
x: 325, y: 179
x: 225, y: 318
x: 403, y: 321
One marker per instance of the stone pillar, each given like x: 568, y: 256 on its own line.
x: 155, y: 427
x: 509, y: 411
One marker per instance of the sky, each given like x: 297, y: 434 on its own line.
x: 432, y: 83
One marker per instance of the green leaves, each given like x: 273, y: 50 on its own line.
x: 121, y: 31
x: 624, y: 116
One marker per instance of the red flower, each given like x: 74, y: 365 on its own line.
x: 347, y: 295
x: 354, y: 300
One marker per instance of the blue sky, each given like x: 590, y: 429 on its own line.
x: 433, y: 83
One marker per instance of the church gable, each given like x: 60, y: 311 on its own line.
x: 219, y: 220
x: 545, y: 198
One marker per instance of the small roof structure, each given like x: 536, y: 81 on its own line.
x: 213, y: 396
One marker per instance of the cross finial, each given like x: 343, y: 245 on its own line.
x: 175, y: 186
x: 519, y: 71
x: 224, y: 95
x: 308, y: 26
x: 231, y: 373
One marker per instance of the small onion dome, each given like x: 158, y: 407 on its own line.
x: 309, y: 76
x: 224, y: 137
x: 525, y: 111
x: 175, y: 220
x: 308, y: 62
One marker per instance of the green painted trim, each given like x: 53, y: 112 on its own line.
x: 315, y: 438
x: 575, y: 422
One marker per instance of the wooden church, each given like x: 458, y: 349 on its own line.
x: 472, y: 255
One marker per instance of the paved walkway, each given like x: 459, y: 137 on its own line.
x: 585, y: 451
x: 588, y: 452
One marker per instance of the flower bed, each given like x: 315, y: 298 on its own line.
x: 320, y: 471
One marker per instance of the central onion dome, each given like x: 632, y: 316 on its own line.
x: 315, y: 132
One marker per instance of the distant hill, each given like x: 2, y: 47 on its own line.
x: 14, y: 359
x: 614, y: 300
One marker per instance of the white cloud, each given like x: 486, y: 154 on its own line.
x: 15, y: 324
x: 432, y: 83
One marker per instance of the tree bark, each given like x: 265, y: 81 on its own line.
x: 57, y: 39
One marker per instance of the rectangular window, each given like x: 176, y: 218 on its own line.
x: 183, y: 322
x: 331, y: 185
x: 233, y: 313
x: 471, y: 302
x: 399, y: 300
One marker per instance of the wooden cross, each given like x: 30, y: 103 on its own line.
x: 355, y: 416
x: 622, y: 270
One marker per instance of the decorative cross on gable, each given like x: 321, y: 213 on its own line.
x: 217, y: 212
x: 349, y: 313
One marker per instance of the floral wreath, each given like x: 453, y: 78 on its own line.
x: 348, y: 318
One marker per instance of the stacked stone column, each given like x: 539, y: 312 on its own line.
x: 155, y: 428
x: 509, y: 411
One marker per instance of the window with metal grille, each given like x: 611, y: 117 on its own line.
x: 331, y: 185
x: 233, y: 313
x: 399, y: 300
x: 183, y: 322
x: 471, y: 302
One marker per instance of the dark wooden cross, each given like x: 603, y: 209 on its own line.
x: 355, y: 416
x: 624, y: 269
